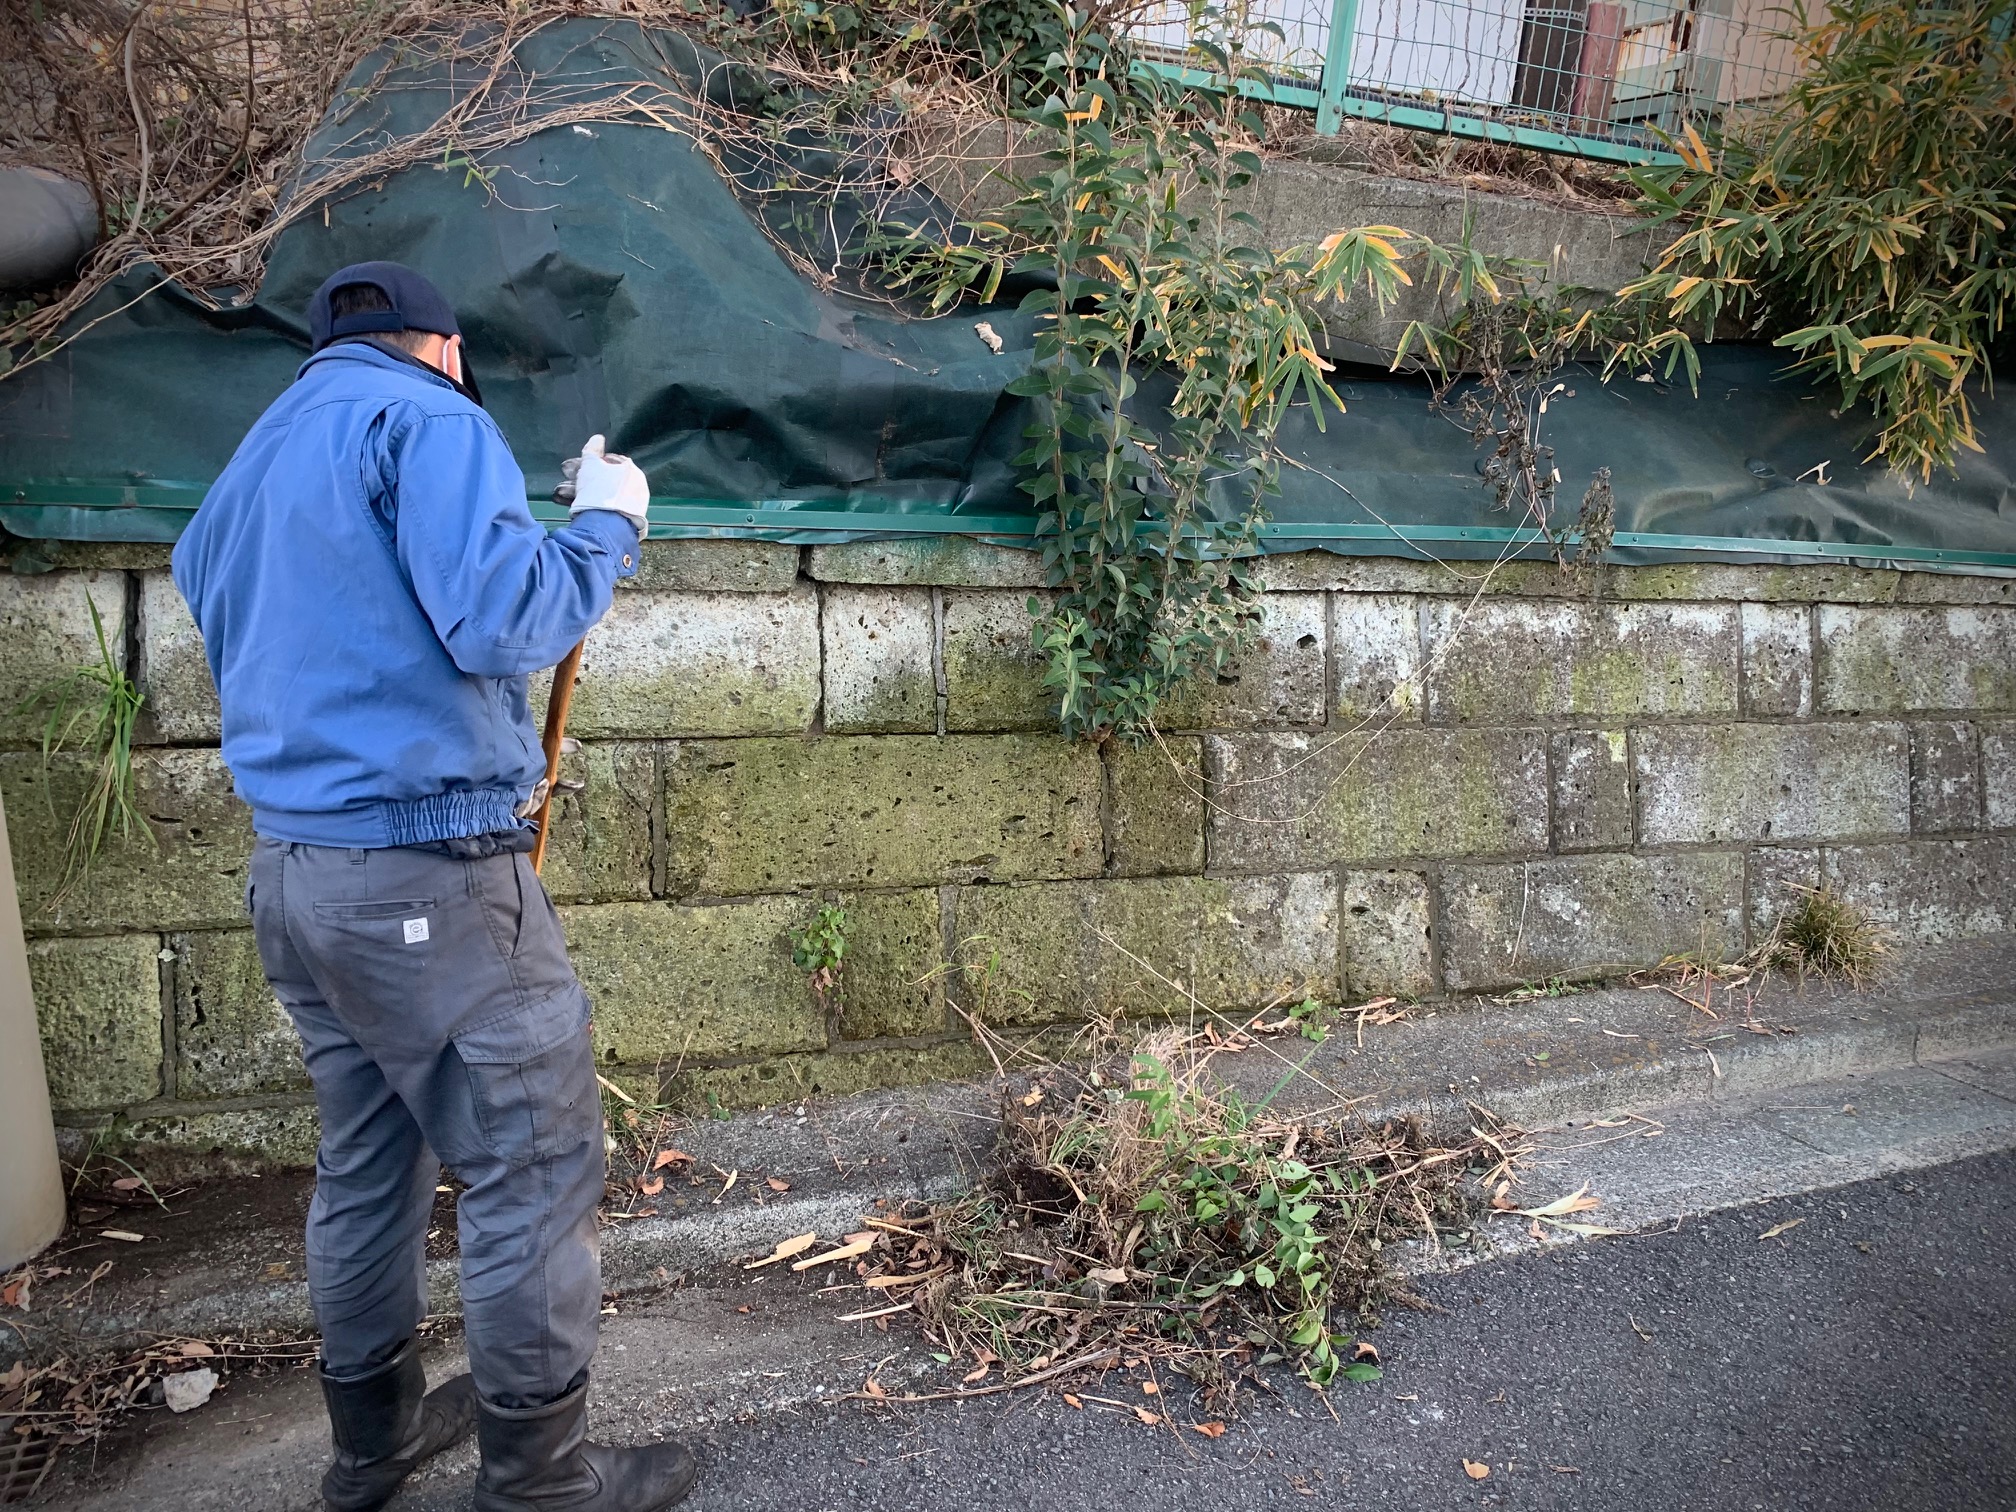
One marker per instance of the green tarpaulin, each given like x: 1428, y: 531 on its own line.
x: 610, y: 278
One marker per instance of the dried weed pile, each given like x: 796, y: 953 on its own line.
x: 1149, y: 1212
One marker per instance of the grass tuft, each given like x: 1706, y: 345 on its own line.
x: 1824, y: 935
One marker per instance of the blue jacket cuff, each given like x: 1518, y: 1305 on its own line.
x: 615, y: 533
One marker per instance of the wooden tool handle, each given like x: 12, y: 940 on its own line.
x: 558, y: 702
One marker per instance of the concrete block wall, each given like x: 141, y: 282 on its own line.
x: 1421, y: 780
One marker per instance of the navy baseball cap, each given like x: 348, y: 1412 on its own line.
x: 416, y: 304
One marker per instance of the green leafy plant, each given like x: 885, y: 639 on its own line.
x: 91, y: 712
x: 1172, y: 342
x: 820, y: 951
x: 1868, y: 218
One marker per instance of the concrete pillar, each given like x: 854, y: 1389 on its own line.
x: 31, y: 1182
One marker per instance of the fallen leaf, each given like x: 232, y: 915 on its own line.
x: 1780, y: 1228
x: 196, y: 1349
x: 1035, y: 1096
x: 786, y: 1248
x: 1073, y: 1402
x: 128, y: 1184
x: 121, y: 1235
x: 1149, y: 1388
x: 1577, y: 1201
x: 728, y: 1185
x: 13, y: 1293
x: 1107, y: 1276
x: 670, y: 1157
x: 872, y: 1387
x: 1366, y: 1351
x: 1152, y: 1419
x: 777, y: 1184
x: 844, y: 1252
x: 650, y: 1186
x: 1209, y: 1430
x: 1474, y: 1470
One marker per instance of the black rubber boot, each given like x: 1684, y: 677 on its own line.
x: 386, y: 1423
x: 535, y: 1459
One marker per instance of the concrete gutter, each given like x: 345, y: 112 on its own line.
x: 231, y: 1261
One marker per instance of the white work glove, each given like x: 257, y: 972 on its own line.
x: 604, y: 480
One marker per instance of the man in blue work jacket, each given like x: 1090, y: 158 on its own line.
x: 372, y: 592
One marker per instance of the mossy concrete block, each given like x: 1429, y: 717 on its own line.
x: 1883, y: 660
x: 1929, y: 891
x: 877, y: 651
x: 842, y: 1073
x: 761, y: 816
x: 1955, y: 588
x: 181, y: 700
x: 1332, y: 571
x: 1819, y: 583
x: 1387, y: 924
x: 993, y: 671
x: 1945, y: 778
x: 1580, y: 916
x: 1592, y: 790
x: 1375, y: 641
x: 698, y: 664
x: 600, y: 845
x: 190, y: 876
x: 1510, y: 662
x: 892, y: 985
x: 1998, y: 774
x: 197, y: 1143
x: 1774, y: 878
x: 1291, y: 800
x: 1070, y: 951
x: 98, y: 1002
x: 232, y: 1037
x: 713, y: 567
x: 1277, y: 680
x: 1706, y: 784
x: 671, y: 983
x: 1777, y: 660
x: 45, y: 624
x: 928, y: 562
x: 1155, y: 807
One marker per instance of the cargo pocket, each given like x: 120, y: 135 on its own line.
x: 532, y: 1077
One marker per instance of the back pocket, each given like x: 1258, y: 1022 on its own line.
x: 532, y: 1076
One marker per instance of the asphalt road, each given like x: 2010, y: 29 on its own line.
x: 1864, y: 1358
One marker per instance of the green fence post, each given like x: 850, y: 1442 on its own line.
x: 1337, y: 65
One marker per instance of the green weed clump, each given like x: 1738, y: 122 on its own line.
x: 93, y: 711
x: 1824, y: 935
x: 1160, y: 1214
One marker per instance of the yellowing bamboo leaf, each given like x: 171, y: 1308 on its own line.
x: 1683, y: 286
x: 1383, y: 247
x: 1888, y: 341
x: 1577, y: 1201
x: 786, y: 1248
x: 1113, y: 267
x: 847, y: 1251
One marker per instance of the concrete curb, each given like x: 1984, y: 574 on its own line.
x: 1541, y: 1064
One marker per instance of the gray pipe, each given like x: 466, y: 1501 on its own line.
x: 31, y: 1182
x: 47, y: 224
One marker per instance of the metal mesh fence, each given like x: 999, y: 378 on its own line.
x: 1604, y: 78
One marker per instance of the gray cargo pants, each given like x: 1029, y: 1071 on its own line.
x: 440, y: 1017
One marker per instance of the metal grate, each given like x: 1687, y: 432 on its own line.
x: 25, y: 1462
x: 1600, y: 78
